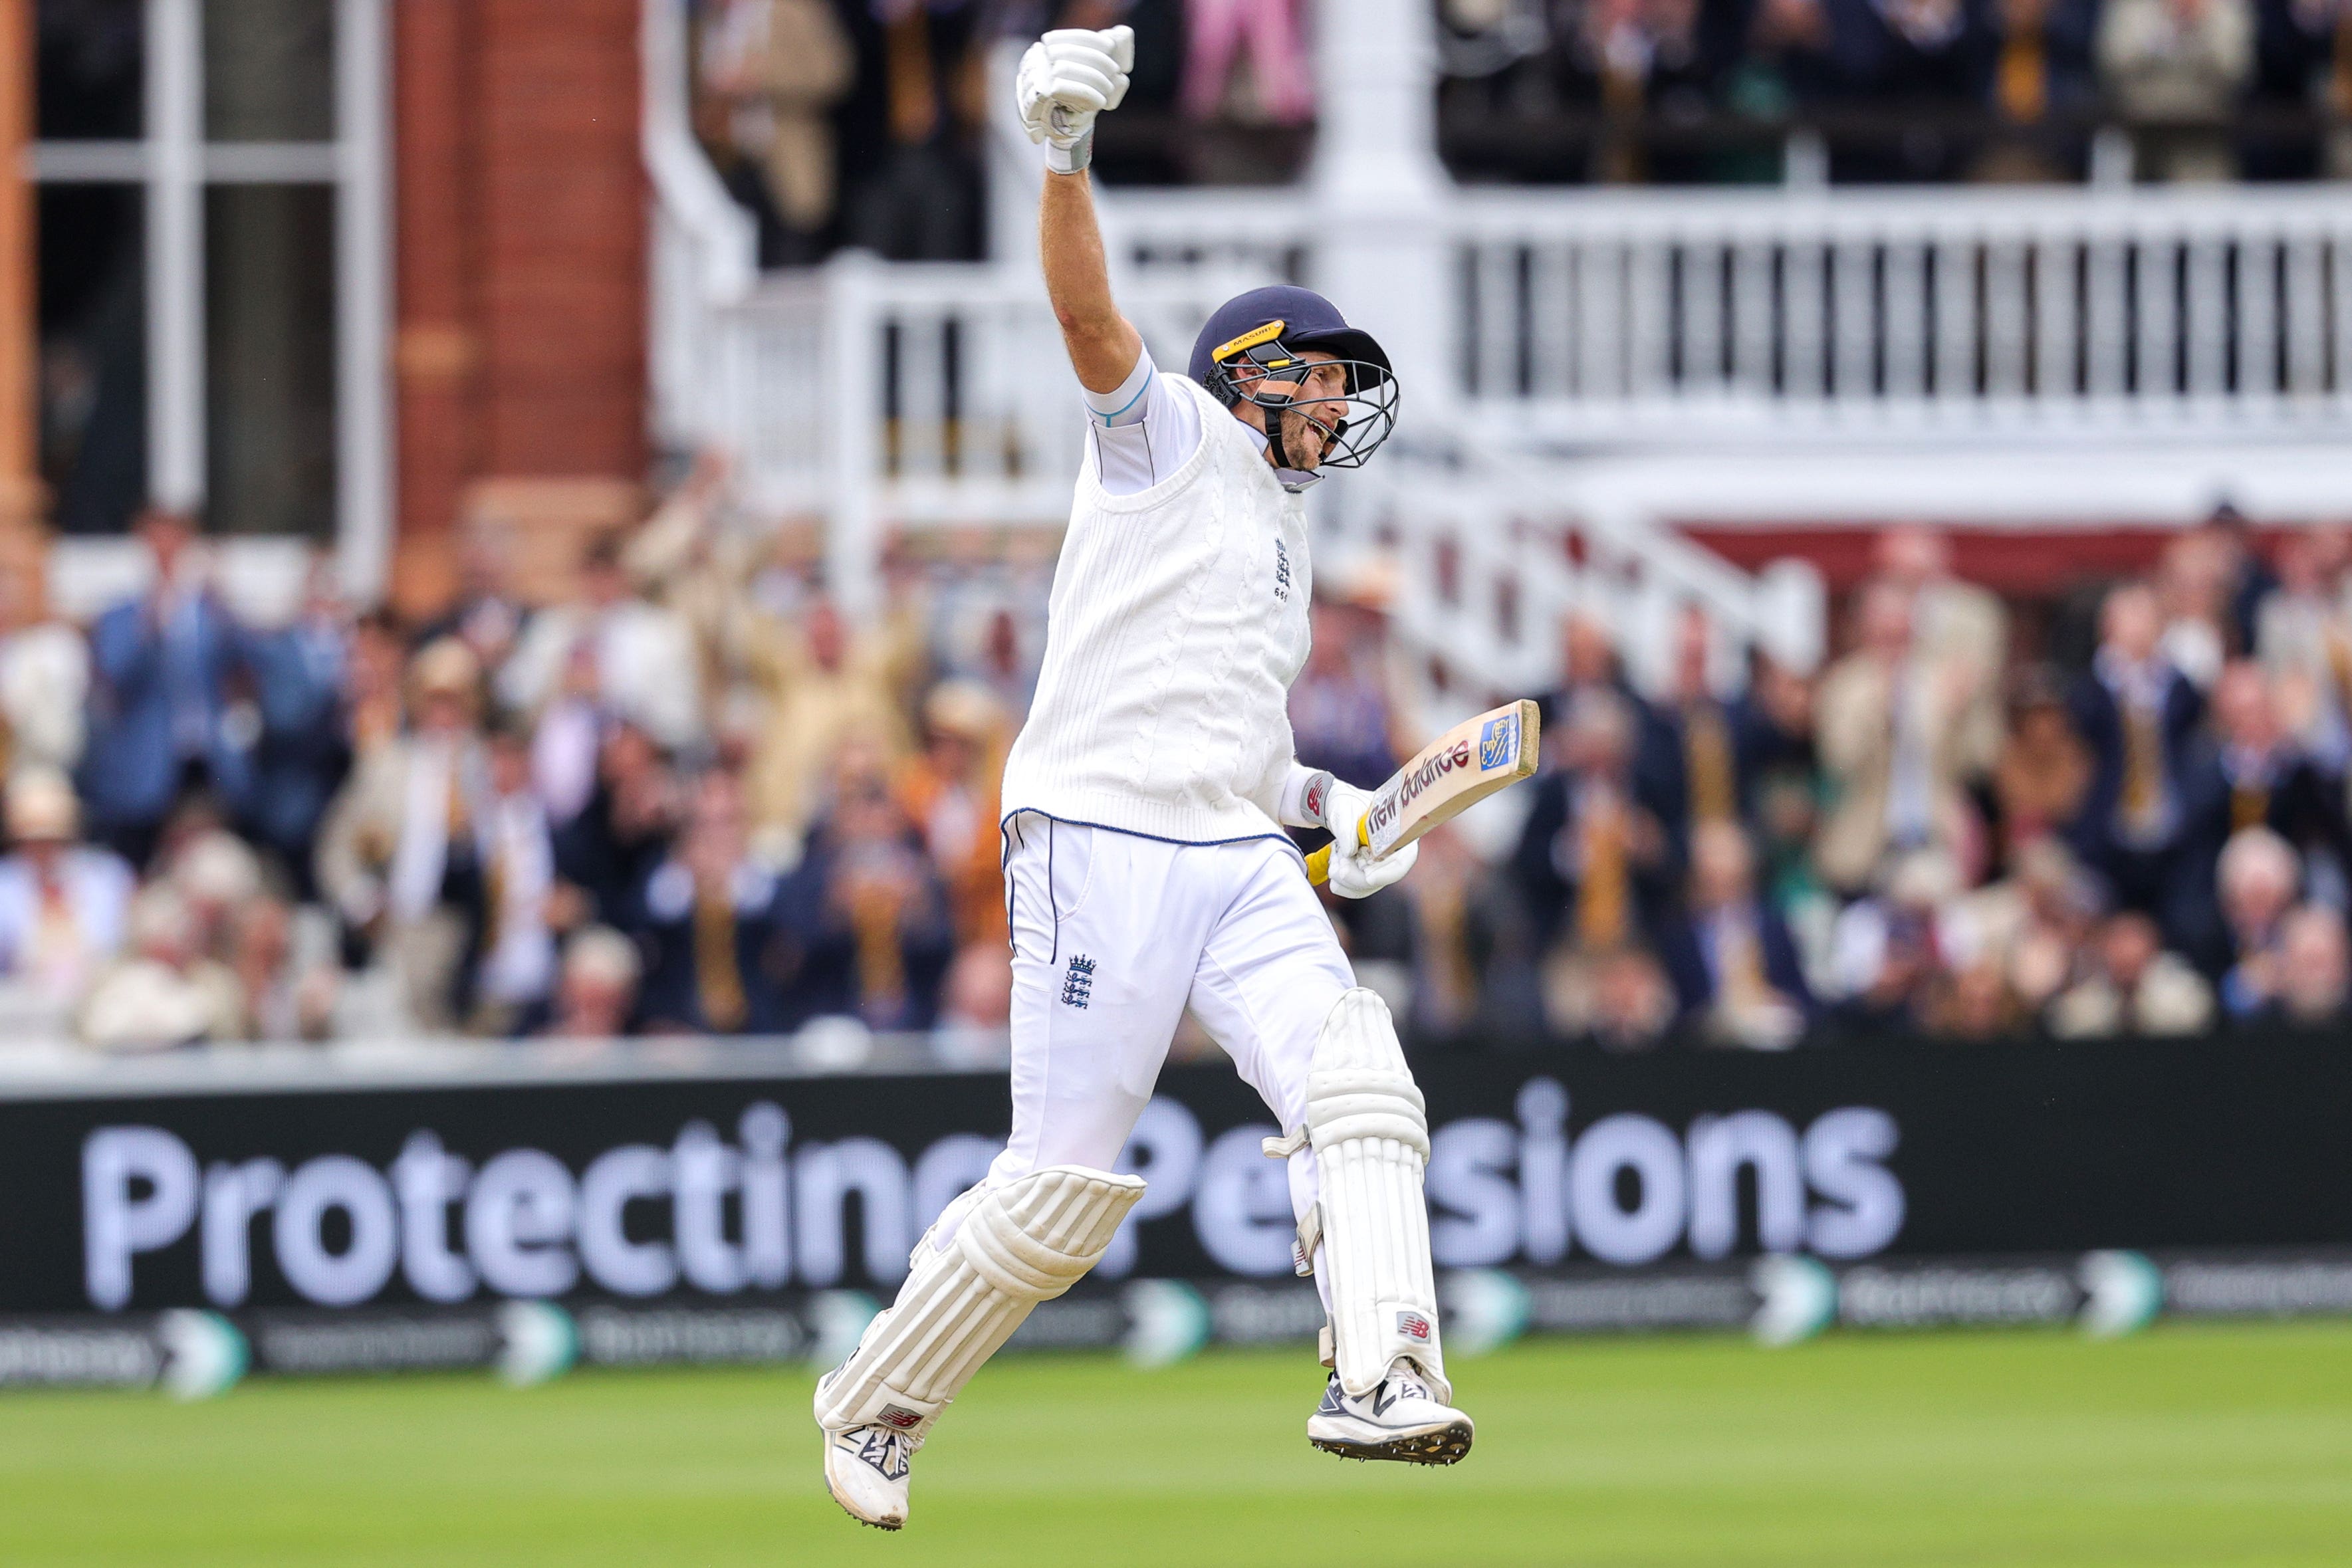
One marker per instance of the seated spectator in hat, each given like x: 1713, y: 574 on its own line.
x: 863, y: 924
x: 399, y: 853
x: 640, y: 658
x: 613, y: 843
x: 1594, y: 866
x: 304, y: 751
x: 164, y: 662
x: 2260, y: 879
x: 44, y: 679
x: 1734, y: 965
x: 521, y: 903
x: 950, y: 792
x: 596, y: 996
x: 1902, y: 733
x: 63, y: 904
x: 2133, y: 985
x: 2314, y: 969
x: 2262, y: 777
x: 2141, y: 826
x: 709, y: 919
x: 162, y: 991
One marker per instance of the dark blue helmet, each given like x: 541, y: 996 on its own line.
x: 1249, y: 352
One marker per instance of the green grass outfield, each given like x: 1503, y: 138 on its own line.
x: 2189, y: 1446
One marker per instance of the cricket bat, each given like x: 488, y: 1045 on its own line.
x: 1456, y: 770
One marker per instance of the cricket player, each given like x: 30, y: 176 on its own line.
x: 1146, y: 868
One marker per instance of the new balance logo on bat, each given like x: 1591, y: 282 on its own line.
x: 1078, y: 982
x: 1498, y: 743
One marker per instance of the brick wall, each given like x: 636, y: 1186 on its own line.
x: 520, y: 215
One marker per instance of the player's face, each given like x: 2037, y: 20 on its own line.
x: 1318, y: 406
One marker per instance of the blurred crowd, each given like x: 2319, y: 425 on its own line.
x: 2207, y: 90
x: 1936, y: 835
x: 690, y: 795
x: 862, y: 122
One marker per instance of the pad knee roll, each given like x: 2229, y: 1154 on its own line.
x: 1025, y: 1242
x: 1369, y: 1129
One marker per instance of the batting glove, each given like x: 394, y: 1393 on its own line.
x: 1067, y: 78
x: 1354, y: 873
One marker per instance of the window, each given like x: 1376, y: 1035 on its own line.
x: 214, y: 284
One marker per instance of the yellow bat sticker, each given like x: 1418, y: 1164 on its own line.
x: 1249, y: 339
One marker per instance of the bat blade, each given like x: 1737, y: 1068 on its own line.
x: 1456, y: 771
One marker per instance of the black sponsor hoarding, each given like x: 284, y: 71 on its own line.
x: 698, y: 1193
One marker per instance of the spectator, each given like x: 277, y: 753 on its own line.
x: 488, y: 615
x: 2314, y: 974
x: 1953, y: 621
x: 599, y: 988
x: 1907, y: 52
x: 300, y: 677
x: 160, y: 713
x: 976, y: 1008
x: 613, y: 843
x: 2135, y: 986
x: 1698, y: 740
x: 2174, y: 69
x: 1339, y: 706
x: 63, y: 904
x: 508, y: 973
x: 1593, y: 865
x: 2040, y: 71
x: 2304, y: 51
x: 863, y: 928
x: 2304, y: 637
x: 2139, y: 826
x: 44, y: 680
x: 2266, y: 780
x: 709, y: 920
x: 1281, y: 73
x: 1734, y: 965
x: 2031, y: 926
x: 779, y: 66
x: 1631, y: 1004
x: 287, y: 995
x: 163, y: 992
x: 824, y: 687
x: 2259, y: 880
x: 949, y: 793
x: 1901, y: 733
x: 399, y: 853
x: 637, y: 659
x: 2044, y: 769
x: 1888, y: 949
x: 922, y: 202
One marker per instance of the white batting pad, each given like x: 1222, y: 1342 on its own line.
x: 1025, y: 1242
x: 1370, y: 1131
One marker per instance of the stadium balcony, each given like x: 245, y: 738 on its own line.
x: 1592, y: 375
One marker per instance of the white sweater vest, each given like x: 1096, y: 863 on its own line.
x: 1177, y: 623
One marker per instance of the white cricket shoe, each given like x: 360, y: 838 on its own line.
x: 865, y: 1471
x: 1401, y: 1420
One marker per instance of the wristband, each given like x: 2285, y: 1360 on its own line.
x: 1306, y: 796
x: 1074, y: 158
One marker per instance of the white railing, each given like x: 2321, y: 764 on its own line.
x: 1831, y: 316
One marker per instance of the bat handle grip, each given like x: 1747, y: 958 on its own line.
x: 1319, y: 864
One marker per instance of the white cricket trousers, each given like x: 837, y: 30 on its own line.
x: 1114, y: 935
